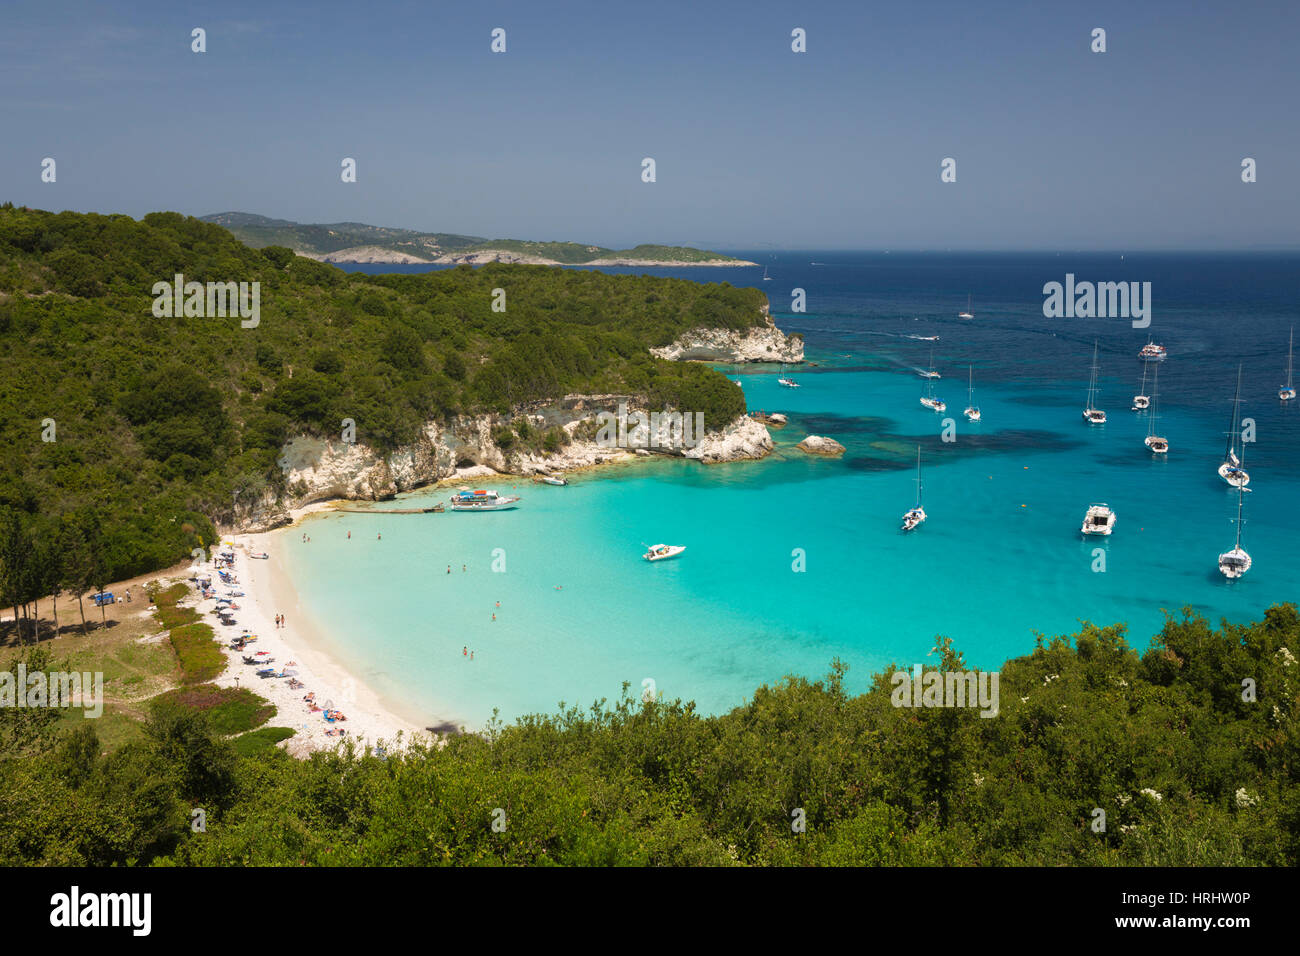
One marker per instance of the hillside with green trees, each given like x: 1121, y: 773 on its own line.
x: 127, y: 434
x: 325, y: 238
x: 1187, y: 768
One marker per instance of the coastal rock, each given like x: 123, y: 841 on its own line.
x: 820, y: 445
x: 743, y: 439
x: 366, y: 254
x: 764, y: 343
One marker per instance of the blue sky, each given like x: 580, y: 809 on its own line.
x: 756, y: 147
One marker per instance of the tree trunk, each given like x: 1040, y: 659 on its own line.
x: 82, y: 608
x: 56, y: 613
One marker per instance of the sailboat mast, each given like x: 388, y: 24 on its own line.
x: 1230, y: 451
x: 970, y: 391
x: 1290, y: 355
x: 918, y: 476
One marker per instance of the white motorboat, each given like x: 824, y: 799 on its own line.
x: 1151, y: 352
x: 551, y: 479
x: 1099, y: 520
x: 972, y: 410
x: 1287, y: 391
x: 1233, y: 564
x: 482, y: 501
x: 661, y: 552
x: 1091, y: 413
x: 915, y: 515
x: 1231, y: 470
x: 1157, y: 444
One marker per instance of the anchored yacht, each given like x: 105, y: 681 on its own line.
x: 1099, y: 520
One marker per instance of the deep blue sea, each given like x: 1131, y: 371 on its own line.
x: 999, y: 560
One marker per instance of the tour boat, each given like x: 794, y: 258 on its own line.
x: 659, y: 552
x: 1233, y: 564
x: 1099, y: 520
x: 1287, y: 391
x: 482, y: 501
x: 916, y: 515
x: 968, y: 314
x: 1152, y: 352
x: 1231, y: 470
x: 1091, y: 414
x: 1142, y: 399
x: 972, y: 410
x: 1156, y: 443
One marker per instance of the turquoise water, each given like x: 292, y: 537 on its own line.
x: 999, y: 559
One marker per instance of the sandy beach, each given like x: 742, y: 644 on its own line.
x: 266, y: 593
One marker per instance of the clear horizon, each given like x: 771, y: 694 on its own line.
x: 1058, y: 148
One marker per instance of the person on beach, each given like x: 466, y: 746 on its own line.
x: 494, y: 616
x: 449, y: 569
x: 379, y: 537
x: 462, y: 567
x: 498, y: 603
x: 464, y: 651
x: 349, y: 535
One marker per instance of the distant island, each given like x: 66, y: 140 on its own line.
x: 358, y: 242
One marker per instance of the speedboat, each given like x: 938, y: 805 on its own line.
x: 928, y: 373
x: 1099, y: 520
x: 482, y: 501
x: 660, y: 552
x: 551, y: 479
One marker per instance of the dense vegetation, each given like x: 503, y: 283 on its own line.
x: 325, y: 238
x: 1189, y: 767
x: 127, y: 435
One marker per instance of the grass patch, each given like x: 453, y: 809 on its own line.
x: 199, y: 654
x: 170, y: 616
x: 167, y: 597
x: 260, y: 741
x: 231, y: 710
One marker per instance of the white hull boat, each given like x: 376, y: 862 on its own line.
x: 482, y: 501
x: 972, y: 411
x: 1099, y: 520
x: 1287, y: 392
x: 1091, y: 413
x: 1231, y: 470
x: 915, y: 516
x: 662, y: 552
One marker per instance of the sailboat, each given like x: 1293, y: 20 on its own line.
x: 1287, y: 391
x: 1231, y: 470
x: 1141, y: 400
x: 766, y: 277
x: 972, y: 410
x: 968, y: 314
x: 1157, y: 444
x: 1233, y: 564
x: 928, y: 399
x: 784, y: 380
x: 1091, y: 414
x: 916, y: 515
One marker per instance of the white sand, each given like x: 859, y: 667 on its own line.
x: 267, y: 592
